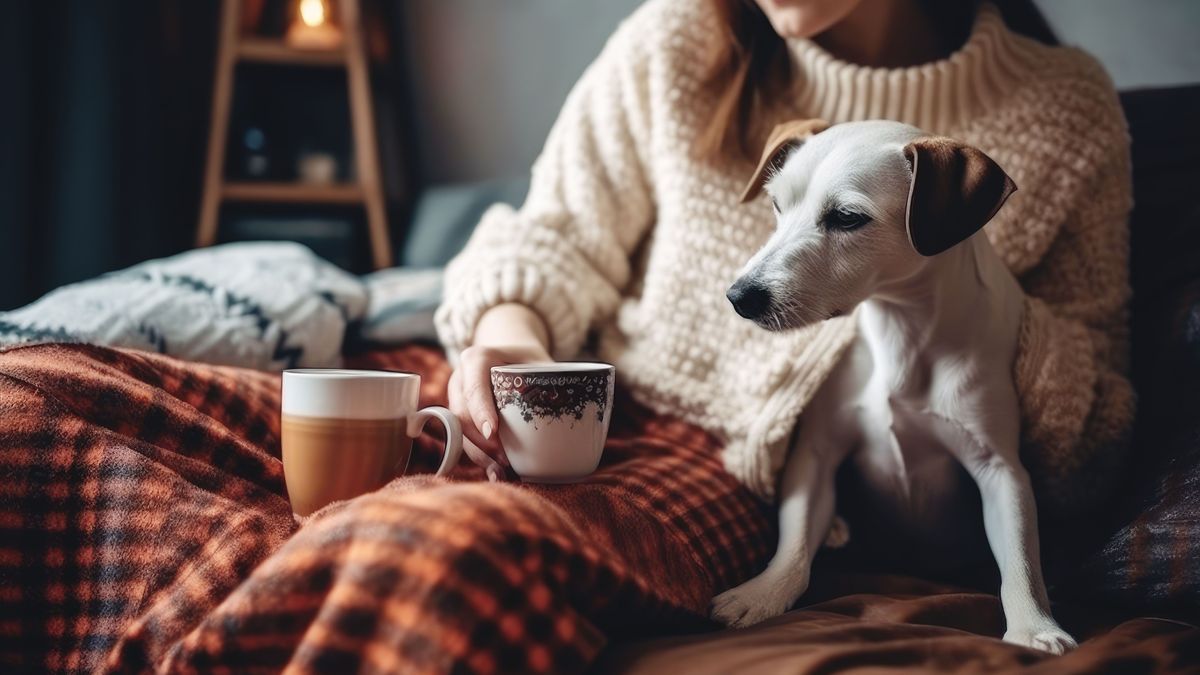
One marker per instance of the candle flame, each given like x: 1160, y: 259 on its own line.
x: 312, y: 12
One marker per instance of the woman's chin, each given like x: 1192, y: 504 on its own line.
x: 802, y: 19
x: 792, y: 28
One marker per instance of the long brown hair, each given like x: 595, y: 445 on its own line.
x: 751, y: 60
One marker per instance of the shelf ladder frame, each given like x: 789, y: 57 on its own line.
x: 233, y: 48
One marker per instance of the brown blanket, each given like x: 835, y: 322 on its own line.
x: 145, y: 527
x: 853, y: 623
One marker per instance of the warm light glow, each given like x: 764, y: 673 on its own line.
x: 312, y: 12
x: 312, y: 28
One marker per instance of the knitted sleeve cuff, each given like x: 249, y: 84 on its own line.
x: 1055, y: 375
x: 480, y: 289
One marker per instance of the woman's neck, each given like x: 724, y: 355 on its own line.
x: 935, y: 91
x: 885, y: 34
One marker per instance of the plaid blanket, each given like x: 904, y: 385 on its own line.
x: 146, y: 528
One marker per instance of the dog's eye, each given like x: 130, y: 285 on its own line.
x: 841, y: 219
x: 775, y: 205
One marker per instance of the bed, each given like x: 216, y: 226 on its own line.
x: 1126, y: 581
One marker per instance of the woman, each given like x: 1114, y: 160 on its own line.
x: 157, y: 535
x: 632, y: 227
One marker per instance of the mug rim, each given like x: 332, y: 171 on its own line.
x: 555, y: 367
x: 349, y: 374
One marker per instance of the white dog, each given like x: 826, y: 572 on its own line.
x: 881, y: 217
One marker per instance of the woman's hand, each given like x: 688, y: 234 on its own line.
x: 505, y: 334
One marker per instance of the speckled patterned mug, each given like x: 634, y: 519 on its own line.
x: 554, y: 417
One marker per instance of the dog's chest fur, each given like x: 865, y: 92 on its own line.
x: 902, y: 460
x: 921, y: 387
x: 895, y: 417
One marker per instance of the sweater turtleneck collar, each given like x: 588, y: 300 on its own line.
x: 936, y: 96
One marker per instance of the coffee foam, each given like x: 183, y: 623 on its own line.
x: 350, y: 394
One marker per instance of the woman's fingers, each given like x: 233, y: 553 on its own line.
x: 458, y: 406
x: 477, y: 390
x: 491, y: 467
x: 479, y: 456
x: 480, y: 450
x: 495, y: 473
x: 471, y: 399
x: 482, y: 408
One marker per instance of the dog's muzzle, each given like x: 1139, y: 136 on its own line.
x: 750, y: 299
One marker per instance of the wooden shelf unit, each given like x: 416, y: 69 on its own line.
x: 265, y: 50
x: 296, y: 193
x: 367, y: 192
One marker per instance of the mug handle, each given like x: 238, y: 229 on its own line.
x: 453, y: 449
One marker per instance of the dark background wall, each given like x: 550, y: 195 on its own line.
x: 492, y: 74
x: 103, y: 110
x: 489, y: 76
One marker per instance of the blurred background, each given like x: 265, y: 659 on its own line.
x: 105, y: 124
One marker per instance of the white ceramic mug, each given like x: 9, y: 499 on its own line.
x: 348, y: 432
x: 554, y: 417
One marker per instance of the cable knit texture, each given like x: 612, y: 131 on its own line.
x: 627, y: 235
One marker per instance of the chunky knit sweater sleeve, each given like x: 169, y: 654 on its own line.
x: 566, y: 252
x: 1076, y: 402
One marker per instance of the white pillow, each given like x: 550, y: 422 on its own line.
x: 401, y: 303
x: 265, y: 305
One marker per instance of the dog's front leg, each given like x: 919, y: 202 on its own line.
x: 805, y: 515
x: 1010, y: 518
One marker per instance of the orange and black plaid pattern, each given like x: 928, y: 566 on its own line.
x: 144, y: 526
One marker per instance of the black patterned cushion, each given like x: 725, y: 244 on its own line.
x: 1149, y: 555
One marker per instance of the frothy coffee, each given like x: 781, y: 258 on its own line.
x: 329, y: 459
x: 347, y: 432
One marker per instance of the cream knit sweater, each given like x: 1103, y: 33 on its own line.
x: 626, y: 234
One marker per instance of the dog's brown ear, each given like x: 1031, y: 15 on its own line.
x: 783, y: 138
x: 955, y: 190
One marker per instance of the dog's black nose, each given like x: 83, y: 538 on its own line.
x: 750, y: 299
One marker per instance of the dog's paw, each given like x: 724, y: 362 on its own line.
x: 839, y: 533
x: 756, y: 600
x: 1048, y: 638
